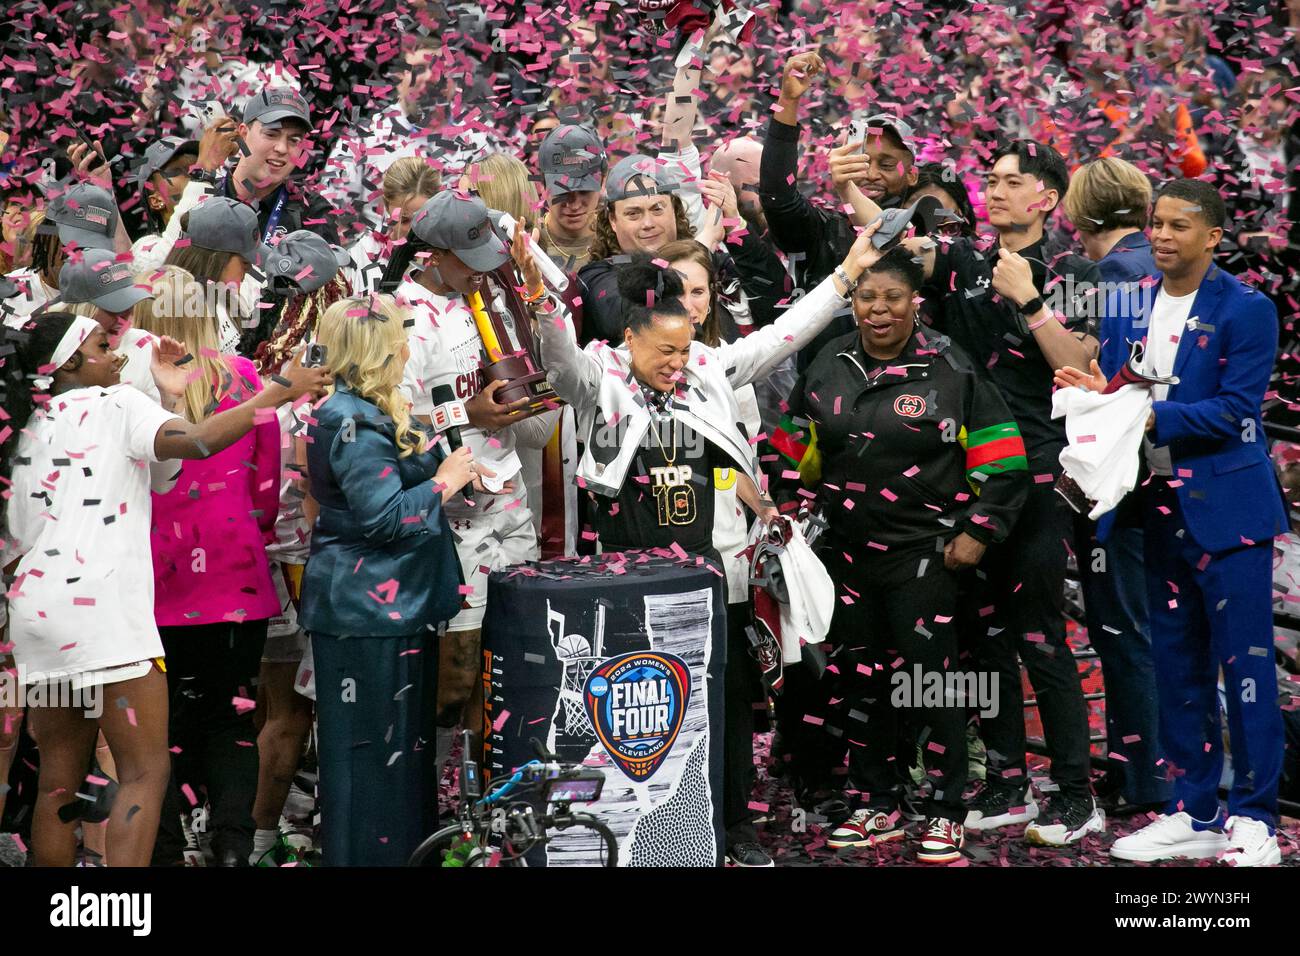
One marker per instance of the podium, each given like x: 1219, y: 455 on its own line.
x: 615, y: 661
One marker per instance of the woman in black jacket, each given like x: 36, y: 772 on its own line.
x: 919, y: 467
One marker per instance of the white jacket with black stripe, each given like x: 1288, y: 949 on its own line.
x: 611, y: 413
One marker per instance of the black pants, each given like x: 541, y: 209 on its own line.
x: 900, y: 673
x: 214, y: 742
x: 1017, y: 611
x: 376, y: 726
x: 742, y: 688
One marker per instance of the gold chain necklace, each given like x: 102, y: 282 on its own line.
x: 569, y: 252
x: 654, y: 428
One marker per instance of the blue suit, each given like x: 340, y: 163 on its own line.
x: 382, y: 578
x: 1112, y: 577
x: 1208, y: 551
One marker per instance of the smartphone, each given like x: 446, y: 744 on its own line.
x: 90, y: 143
x: 857, y: 132
x: 315, y: 356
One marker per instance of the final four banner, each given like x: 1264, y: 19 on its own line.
x: 615, y: 661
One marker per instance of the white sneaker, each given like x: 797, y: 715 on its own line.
x: 1169, y: 837
x: 1067, y: 821
x: 1250, y: 843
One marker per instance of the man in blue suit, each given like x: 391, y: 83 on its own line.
x: 1211, y: 506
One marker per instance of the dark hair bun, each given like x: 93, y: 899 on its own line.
x: 641, y: 275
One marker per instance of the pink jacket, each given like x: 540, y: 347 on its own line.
x: 210, y: 531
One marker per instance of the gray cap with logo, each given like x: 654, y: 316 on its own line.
x: 160, y: 153
x: 274, y: 105
x: 572, y: 160
x: 98, y: 278
x: 86, y: 215
x: 636, y: 176
x: 226, y: 225
x: 303, y: 262
x: 462, y: 225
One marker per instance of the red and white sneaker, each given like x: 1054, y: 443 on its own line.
x: 865, y: 828
x: 942, y: 842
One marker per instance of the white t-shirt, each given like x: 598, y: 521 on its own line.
x: 84, y: 593
x: 32, y: 294
x: 446, y: 350
x: 1168, y: 323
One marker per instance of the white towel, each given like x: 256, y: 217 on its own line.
x: 812, y: 595
x: 1105, y: 434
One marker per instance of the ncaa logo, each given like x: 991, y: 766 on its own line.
x: 909, y: 406
x: 636, y: 702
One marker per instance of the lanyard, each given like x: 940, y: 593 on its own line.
x: 274, y: 219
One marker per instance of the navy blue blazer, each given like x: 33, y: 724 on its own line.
x: 1123, y: 270
x: 1223, y: 476
x: 383, y: 562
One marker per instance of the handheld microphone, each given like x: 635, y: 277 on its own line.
x: 448, y: 416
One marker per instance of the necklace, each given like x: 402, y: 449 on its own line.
x: 568, y: 251
x: 654, y: 430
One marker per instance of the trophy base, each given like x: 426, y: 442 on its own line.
x: 523, y: 381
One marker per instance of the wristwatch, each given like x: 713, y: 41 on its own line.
x: 1031, y: 307
x: 201, y: 175
x: 849, y: 284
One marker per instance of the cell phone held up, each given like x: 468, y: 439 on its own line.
x: 315, y: 356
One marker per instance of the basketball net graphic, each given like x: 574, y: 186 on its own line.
x: 579, y: 657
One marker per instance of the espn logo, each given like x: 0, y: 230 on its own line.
x: 449, y: 415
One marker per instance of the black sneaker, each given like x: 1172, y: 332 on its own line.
x: 995, y: 807
x: 1066, y: 821
x: 749, y: 855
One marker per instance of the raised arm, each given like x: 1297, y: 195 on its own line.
x: 754, y: 356
x: 792, y: 219
x: 178, y: 438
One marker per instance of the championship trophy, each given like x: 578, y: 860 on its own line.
x: 505, y: 326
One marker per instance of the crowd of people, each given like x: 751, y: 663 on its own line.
x: 828, y: 261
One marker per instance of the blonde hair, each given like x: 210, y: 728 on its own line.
x: 1108, y: 194
x: 407, y: 178
x: 502, y: 182
x: 179, y: 308
x: 364, y: 338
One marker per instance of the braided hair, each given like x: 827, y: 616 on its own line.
x: 297, y: 324
x: 24, y: 354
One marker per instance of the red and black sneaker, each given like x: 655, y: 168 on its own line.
x: 942, y: 842
x: 866, y: 828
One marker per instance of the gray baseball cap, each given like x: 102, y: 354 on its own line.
x: 98, y: 278
x: 572, y: 160
x: 901, y: 128
x: 303, y: 262
x: 160, y: 153
x: 634, y: 176
x: 274, y: 105
x: 463, y: 225
x: 86, y: 215
x: 227, y: 225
